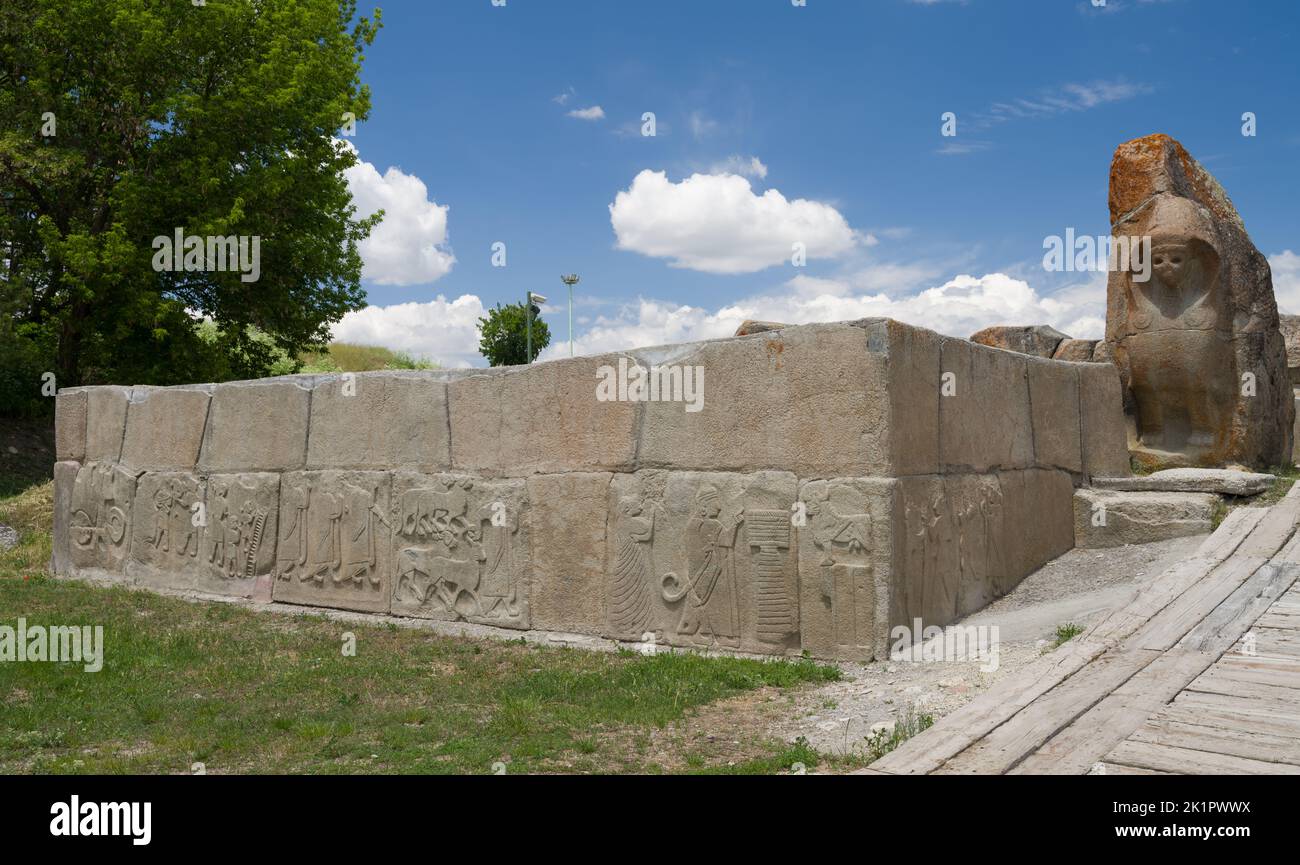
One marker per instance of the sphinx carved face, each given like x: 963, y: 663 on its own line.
x: 1173, y: 263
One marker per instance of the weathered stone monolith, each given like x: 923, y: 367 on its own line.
x: 1194, y: 330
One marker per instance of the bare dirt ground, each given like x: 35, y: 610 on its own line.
x: 1075, y: 588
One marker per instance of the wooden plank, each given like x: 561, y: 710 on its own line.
x: 928, y: 750
x: 989, y: 732
x: 1230, y: 620
x: 1287, y: 708
x: 1231, y: 718
x: 1234, y: 742
x: 1213, y: 682
x: 1121, y: 769
x: 1243, y: 661
x: 1153, y: 597
x: 1273, y: 530
x: 1273, y: 619
x: 1186, y: 611
x: 1076, y: 747
x: 1007, y: 745
x: 1281, y: 678
x: 1080, y: 746
x: 1185, y: 761
x: 1085, y: 741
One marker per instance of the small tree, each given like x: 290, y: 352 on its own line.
x: 503, y: 335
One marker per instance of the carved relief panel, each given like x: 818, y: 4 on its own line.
x: 845, y: 549
x: 703, y: 559
x: 214, y: 533
x: 334, y: 546
x: 955, y: 550
x: 99, y: 520
x: 460, y: 549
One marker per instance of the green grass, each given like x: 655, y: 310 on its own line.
x: 1065, y: 633
x: 909, y: 723
x: 1287, y: 475
x: 1285, y: 478
x: 244, y: 691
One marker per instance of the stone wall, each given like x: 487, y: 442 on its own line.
x: 835, y: 480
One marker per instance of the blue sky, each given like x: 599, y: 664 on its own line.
x: 776, y: 121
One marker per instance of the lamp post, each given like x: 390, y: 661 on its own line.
x: 528, y: 313
x: 571, y: 280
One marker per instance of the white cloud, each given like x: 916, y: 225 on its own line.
x: 440, y: 330
x: 1067, y: 98
x: 1286, y: 281
x: 958, y: 307
x: 962, y: 148
x: 409, y: 246
x: 716, y: 224
x: 702, y: 126
x: 745, y: 166
x: 595, y: 112
x: 447, y: 331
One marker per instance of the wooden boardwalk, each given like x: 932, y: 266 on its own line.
x: 1199, y: 673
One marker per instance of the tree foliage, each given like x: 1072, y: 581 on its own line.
x: 503, y: 335
x: 216, y: 120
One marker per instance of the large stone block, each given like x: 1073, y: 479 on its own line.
x: 381, y: 420
x: 70, y: 425
x: 1104, y: 430
x: 213, y: 534
x: 539, y: 419
x: 256, y: 426
x: 1194, y: 330
x: 1295, y: 430
x: 970, y: 538
x: 984, y: 419
x: 106, y: 422
x: 704, y: 559
x: 99, y: 518
x: 1039, y: 521
x: 912, y: 358
x: 928, y: 559
x: 568, y: 537
x: 846, y: 552
x: 1112, y: 518
x: 1038, y: 340
x: 164, y: 427
x: 812, y: 399
x: 460, y: 549
x: 1054, y: 409
x: 1076, y: 350
x: 335, y: 540
x: 65, y: 482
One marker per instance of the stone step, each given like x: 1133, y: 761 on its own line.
x: 1223, y: 481
x: 1112, y: 518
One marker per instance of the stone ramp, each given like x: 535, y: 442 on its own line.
x: 1164, y: 683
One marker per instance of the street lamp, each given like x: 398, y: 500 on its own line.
x: 571, y: 280
x: 532, y: 298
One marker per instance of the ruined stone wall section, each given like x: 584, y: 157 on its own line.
x: 835, y: 481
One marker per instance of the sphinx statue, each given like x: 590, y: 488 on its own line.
x: 1191, y: 320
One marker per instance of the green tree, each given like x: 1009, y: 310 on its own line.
x: 503, y: 335
x: 125, y: 120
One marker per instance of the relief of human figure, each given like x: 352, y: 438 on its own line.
x: 363, y: 550
x: 299, y: 500
x: 163, y: 500
x: 711, y: 608
x: 497, y: 591
x: 630, y: 600
x: 218, y: 514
